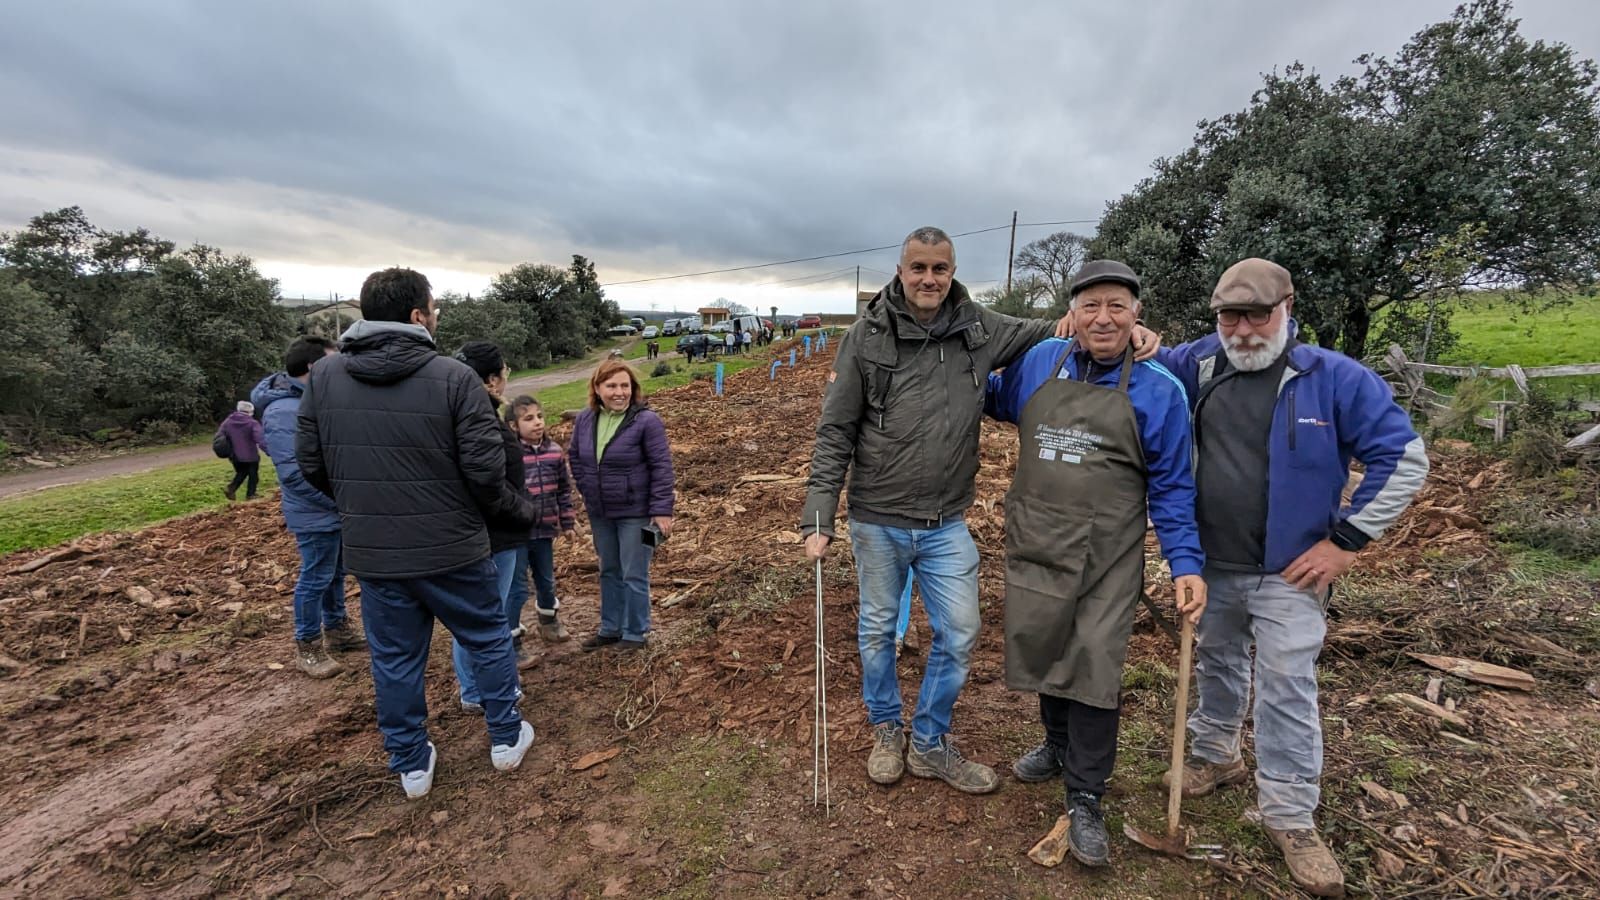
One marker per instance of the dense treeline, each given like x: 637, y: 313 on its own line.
x: 119, y: 330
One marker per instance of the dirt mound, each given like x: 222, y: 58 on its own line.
x: 162, y: 743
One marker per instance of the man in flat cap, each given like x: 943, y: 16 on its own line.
x: 901, y: 416
x: 1102, y: 436
x: 1276, y: 424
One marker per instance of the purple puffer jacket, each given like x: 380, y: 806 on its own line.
x: 634, y: 477
x: 244, y: 436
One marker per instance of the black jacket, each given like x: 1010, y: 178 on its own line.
x: 508, y: 534
x: 408, y: 445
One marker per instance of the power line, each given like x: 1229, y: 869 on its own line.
x: 787, y: 262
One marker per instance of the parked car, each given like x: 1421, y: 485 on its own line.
x: 637, y: 322
x: 670, y: 328
x: 720, y: 328
x: 622, y: 330
x: 695, y: 344
x: 809, y: 321
x: 650, y: 331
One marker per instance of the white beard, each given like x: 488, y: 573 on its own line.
x: 1259, y: 353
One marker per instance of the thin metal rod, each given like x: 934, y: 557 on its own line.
x: 820, y: 776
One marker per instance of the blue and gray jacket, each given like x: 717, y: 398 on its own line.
x: 1330, y: 409
x: 1162, y: 411
x: 306, y: 510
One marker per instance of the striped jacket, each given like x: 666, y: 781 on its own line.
x: 549, y: 484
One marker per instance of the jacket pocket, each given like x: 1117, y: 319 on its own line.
x: 616, y: 489
x: 1310, y: 437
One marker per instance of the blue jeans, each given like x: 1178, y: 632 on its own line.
x: 624, y: 576
x: 542, y: 561
x: 903, y: 621
x: 1286, y: 624
x: 507, y: 566
x: 319, y: 592
x: 945, y: 563
x: 398, y: 615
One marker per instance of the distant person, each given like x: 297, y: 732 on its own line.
x: 653, y: 349
x: 320, y: 621
x: 746, y: 339
x: 549, y: 485
x: 244, y: 440
x: 409, y: 447
x: 508, y: 535
x: 623, y: 466
x: 731, y: 343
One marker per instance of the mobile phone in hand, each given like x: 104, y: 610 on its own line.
x: 652, y: 535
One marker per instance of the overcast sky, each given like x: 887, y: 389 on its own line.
x: 329, y: 139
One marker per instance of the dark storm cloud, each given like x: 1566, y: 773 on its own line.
x: 664, y: 134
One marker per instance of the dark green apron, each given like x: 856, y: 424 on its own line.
x: 1075, y: 523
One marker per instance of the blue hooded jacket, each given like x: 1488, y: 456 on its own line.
x: 1162, y: 411
x: 1330, y: 409
x: 306, y: 510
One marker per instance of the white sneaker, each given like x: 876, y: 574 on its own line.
x: 420, y: 782
x: 506, y: 758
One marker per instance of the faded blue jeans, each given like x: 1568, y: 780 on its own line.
x: 508, y: 564
x: 945, y: 563
x: 319, y: 591
x: 1287, y: 627
x: 624, y: 576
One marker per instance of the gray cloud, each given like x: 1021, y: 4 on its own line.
x: 649, y: 136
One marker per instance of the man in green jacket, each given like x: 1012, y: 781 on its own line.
x: 903, y: 404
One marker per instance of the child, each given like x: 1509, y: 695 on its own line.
x: 550, y: 485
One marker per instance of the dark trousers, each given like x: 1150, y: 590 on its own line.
x: 542, y: 561
x: 246, y: 471
x: 398, y: 616
x: 1087, y: 738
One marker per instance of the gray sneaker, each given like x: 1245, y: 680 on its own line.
x: 887, y: 761
x: 945, y: 762
x: 314, y: 660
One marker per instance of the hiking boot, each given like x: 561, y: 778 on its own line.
x: 341, y: 638
x: 1042, y: 763
x: 595, y: 642
x: 1201, y: 777
x: 945, y: 762
x: 314, y: 660
x: 508, y: 756
x: 417, y: 784
x: 526, y: 658
x: 1311, y: 863
x: 1086, y: 837
x: 551, y: 631
x: 887, y: 761
x: 629, y: 644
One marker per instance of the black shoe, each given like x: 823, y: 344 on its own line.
x: 1042, y: 763
x: 229, y: 492
x: 597, y: 641
x: 1087, y: 836
x: 630, y: 645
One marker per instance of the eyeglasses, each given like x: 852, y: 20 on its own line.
x: 1255, y: 314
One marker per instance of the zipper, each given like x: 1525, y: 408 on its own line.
x: 1292, y: 420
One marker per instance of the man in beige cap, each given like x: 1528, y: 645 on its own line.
x: 1276, y: 423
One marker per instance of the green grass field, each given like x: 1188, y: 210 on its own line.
x: 48, y: 517
x: 1496, y: 333
x: 574, y: 394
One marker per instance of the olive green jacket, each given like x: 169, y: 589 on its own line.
x: 903, y: 404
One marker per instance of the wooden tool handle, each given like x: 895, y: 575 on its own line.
x: 1179, y: 721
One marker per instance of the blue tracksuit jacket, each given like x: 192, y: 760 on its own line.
x: 1162, y: 411
x: 1330, y: 409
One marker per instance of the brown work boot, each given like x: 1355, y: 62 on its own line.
x: 945, y: 762
x: 526, y: 658
x: 314, y: 660
x: 341, y: 638
x: 1201, y: 777
x: 887, y: 762
x: 1311, y: 863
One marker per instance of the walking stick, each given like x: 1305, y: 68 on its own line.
x: 819, y: 705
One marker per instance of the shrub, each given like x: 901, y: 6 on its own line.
x: 662, y: 368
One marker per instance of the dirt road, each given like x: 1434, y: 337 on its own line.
x: 134, y: 463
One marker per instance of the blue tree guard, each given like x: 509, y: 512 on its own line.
x: 772, y: 373
x: 822, y: 341
x: 791, y: 357
x: 719, y: 379
x: 808, y: 344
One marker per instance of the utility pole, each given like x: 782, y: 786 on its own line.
x: 858, y: 284
x: 1011, y: 254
